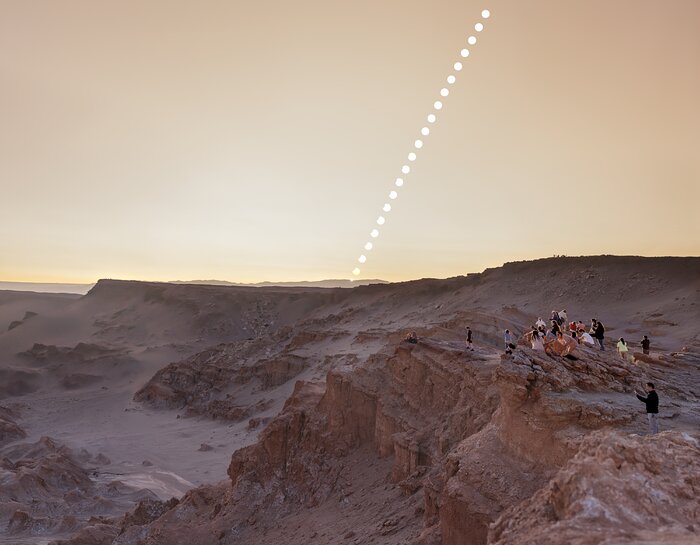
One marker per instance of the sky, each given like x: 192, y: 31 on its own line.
x: 252, y: 141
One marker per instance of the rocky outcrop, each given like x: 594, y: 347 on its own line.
x: 81, y: 353
x: 211, y: 382
x: 46, y: 490
x: 390, y: 443
x: 467, y: 440
x: 9, y: 429
x: 618, y: 489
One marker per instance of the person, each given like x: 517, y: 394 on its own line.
x: 563, y: 316
x: 412, y: 338
x: 599, y: 334
x: 470, y: 346
x: 652, y: 402
x: 586, y: 338
x: 555, y: 316
x: 645, y: 344
x: 593, y: 325
x: 580, y: 326
x: 540, y: 323
x: 555, y: 327
x: 572, y: 327
x: 622, y: 348
x: 509, y: 341
x: 536, y: 341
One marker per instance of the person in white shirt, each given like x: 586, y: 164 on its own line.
x: 536, y: 341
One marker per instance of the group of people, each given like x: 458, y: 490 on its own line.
x: 561, y: 338
x: 547, y: 339
x: 541, y: 337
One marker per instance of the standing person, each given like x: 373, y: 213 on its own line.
x: 508, y: 340
x: 470, y: 346
x: 593, y: 324
x: 622, y: 348
x: 645, y: 344
x: 652, y: 402
x: 599, y: 334
x: 563, y: 316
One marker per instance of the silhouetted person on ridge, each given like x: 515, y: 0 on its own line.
x: 652, y: 402
x: 645, y: 344
x: 470, y: 346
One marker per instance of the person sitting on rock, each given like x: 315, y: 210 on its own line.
x: 572, y: 327
x: 622, y: 348
x: 470, y: 346
x: 536, y: 341
x: 580, y: 326
x: 555, y: 327
x: 645, y: 344
x: 540, y: 324
x: 652, y: 402
x: 412, y: 338
x: 586, y: 338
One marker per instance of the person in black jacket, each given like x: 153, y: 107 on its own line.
x: 652, y: 402
x: 599, y: 333
x: 645, y: 344
x: 470, y: 346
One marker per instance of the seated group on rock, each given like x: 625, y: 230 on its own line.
x: 562, y: 338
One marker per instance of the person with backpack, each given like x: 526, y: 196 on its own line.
x: 652, y: 402
x: 599, y: 333
x: 645, y: 344
x: 563, y: 316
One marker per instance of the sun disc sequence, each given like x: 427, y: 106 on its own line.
x: 418, y: 144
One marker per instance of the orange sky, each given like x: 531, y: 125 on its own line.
x: 255, y: 141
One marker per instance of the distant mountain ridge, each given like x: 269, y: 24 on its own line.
x: 46, y: 287
x: 82, y: 289
x: 331, y: 283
